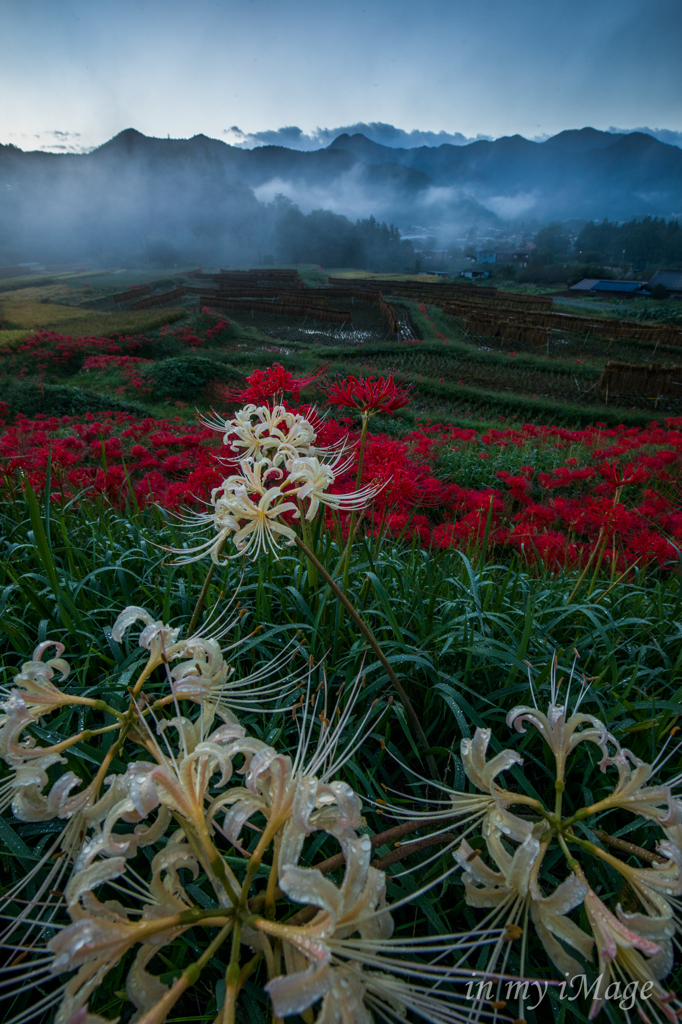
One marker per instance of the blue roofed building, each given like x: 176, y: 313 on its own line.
x: 622, y: 287
x: 630, y: 288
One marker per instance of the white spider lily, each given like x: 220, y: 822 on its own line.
x: 481, y: 772
x: 179, y: 783
x: 254, y: 431
x: 313, y: 478
x: 657, y: 803
x: 17, y: 717
x: 278, y: 463
x: 357, y: 906
x: 200, y: 672
x: 34, y: 682
x: 559, y: 733
x: 346, y: 957
x: 207, y: 679
x: 620, y: 949
x: 23, y: 788
x: 512, y: 889
x: 252, y: 478
x: 259, y: 431
x: 156, y: 637
x: 68, y: 882
x: 635, y: 946
x: 254, y: 522
x: 297, y: 796
x: 29, y: 803
x: 259, y: 523
x: 100, y: 934
x: 33, y: 696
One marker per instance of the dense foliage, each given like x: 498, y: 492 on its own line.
x: 550, y: 494
x: 460, y: 630
x: 332, y: 240
x: 643, y: 242
x: 489, y: 564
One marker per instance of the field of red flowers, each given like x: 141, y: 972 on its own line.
x: 611, y: 497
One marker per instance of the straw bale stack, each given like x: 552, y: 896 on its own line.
x: 654, y: 380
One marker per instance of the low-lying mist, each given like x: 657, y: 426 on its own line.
x: 165, y: 202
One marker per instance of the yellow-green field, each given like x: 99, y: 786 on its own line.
x: 29, y: 314
x: 12, y: 339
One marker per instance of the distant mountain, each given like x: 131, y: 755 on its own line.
x: 206, y: 197
x: 576, y: 174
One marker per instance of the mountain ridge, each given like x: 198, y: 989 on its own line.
x: 134, y: 185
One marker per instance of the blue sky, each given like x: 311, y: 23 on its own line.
x: 89, y: 68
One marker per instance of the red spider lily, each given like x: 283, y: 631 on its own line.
x: 534, y: 517
x: 265, y: 384
x: 562, y: 476
x: 617, y: 476
x: 519, y: 487
x: 368, y: 395
x: 118, y: 458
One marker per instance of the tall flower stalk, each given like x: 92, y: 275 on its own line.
x: 283, y: 480
x: 369, y: 397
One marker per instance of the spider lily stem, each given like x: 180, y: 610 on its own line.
x: 85, y: 735
x: 111, y: 753
x: 587, y: 812
x: 188, y: 977
x: 372, y: 641
x: 232, y: 975
x: 305, y: 530
x: 233, y: 980
x: 595, y: 851
x: 583, y: 574
x: 274, y: 893
x: 621, y: 577
x: 272, y: 881
x: 598, y: 565
x: 573, y: 864
x: 96, y: 705
x: 358, y: 478
x: 621, y: 844
x: 234, y: 986
x: 204, y: 591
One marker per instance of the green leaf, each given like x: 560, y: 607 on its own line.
x: 14, y: 843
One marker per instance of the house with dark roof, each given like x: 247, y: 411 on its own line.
x: 521, y: 257
x: 670, y: 279
x: 585, y: 285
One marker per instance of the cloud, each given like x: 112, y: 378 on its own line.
x: 662, y: 134
x: 52, y: 141
x: 385, y: 134
x: 349, y: 196
x: 509, y: 207
x: 439, y: 195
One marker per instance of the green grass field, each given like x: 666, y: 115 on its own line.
x: 470, y: 633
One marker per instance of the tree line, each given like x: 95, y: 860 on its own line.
x: 652, y: 240
x: 334, y: 241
